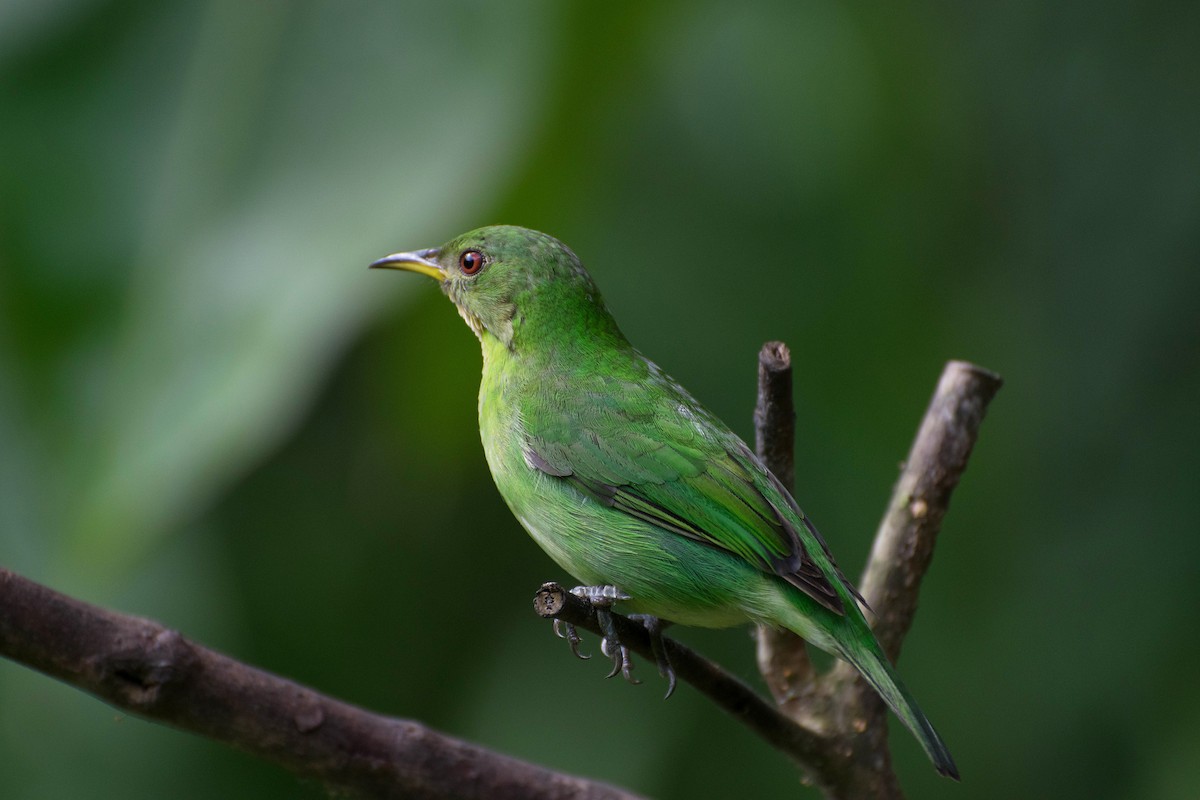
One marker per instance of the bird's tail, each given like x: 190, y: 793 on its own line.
x: 881, y: 675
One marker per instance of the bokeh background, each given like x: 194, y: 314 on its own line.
x: 212, y: 414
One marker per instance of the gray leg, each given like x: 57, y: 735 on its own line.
x: 655, y: 626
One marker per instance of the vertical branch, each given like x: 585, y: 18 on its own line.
x: 782, y: 656
x: 775, y: 413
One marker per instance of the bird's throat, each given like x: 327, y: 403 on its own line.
x: 473, y: 322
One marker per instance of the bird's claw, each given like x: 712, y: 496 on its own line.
x: 611, y: 646
x: 565, y: 630
x: 654, y: 627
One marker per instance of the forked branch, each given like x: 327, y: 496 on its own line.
x: 833, y: 725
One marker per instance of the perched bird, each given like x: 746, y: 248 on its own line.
x: 624, y: 479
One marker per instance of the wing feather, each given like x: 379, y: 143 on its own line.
x: 664, y: 460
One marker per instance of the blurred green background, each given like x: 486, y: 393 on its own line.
x: 212, y: 414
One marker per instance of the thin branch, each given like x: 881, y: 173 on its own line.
x: 552, y: 601
x: 153, y: 672
x: 782, y: 655
x: 899, y: 559
x: 904, y: 543
x: 775, y: 413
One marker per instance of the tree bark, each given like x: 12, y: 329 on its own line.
x: 148, y: 670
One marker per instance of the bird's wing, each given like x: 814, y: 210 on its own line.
x: 650, y: 451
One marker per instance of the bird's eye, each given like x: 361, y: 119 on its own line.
x: 470, y: 262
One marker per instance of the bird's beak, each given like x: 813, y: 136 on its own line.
x: 417, y: 261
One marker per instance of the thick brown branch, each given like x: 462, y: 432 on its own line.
x: 144, y: 668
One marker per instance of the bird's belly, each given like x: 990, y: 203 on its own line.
x: 664, y: 573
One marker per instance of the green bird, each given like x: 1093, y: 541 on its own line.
x: 625, y: 480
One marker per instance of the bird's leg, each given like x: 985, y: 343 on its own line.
x: 600, y: 596
x: 602, y: 599
x: 655, y: 627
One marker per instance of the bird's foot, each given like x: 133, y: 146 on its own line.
x: 655, y: 627
x: 602, y: 599
x: 565, y: 630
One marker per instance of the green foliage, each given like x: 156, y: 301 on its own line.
x: 212, y: 414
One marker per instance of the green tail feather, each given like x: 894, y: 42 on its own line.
x: 882, y: 677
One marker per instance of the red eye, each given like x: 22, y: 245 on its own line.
x: 470, y: 262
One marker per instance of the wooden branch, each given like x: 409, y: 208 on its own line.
x: 552, y: 601
x: 153, y: 672
x: 782, y: 655
x: 900, y: 556
x: 775, y: 413
x: 840, y: 706
x: 904, y: 542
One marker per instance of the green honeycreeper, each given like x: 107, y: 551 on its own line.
x: 624, y: 479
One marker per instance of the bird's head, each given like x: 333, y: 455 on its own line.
x: 510, y: 282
